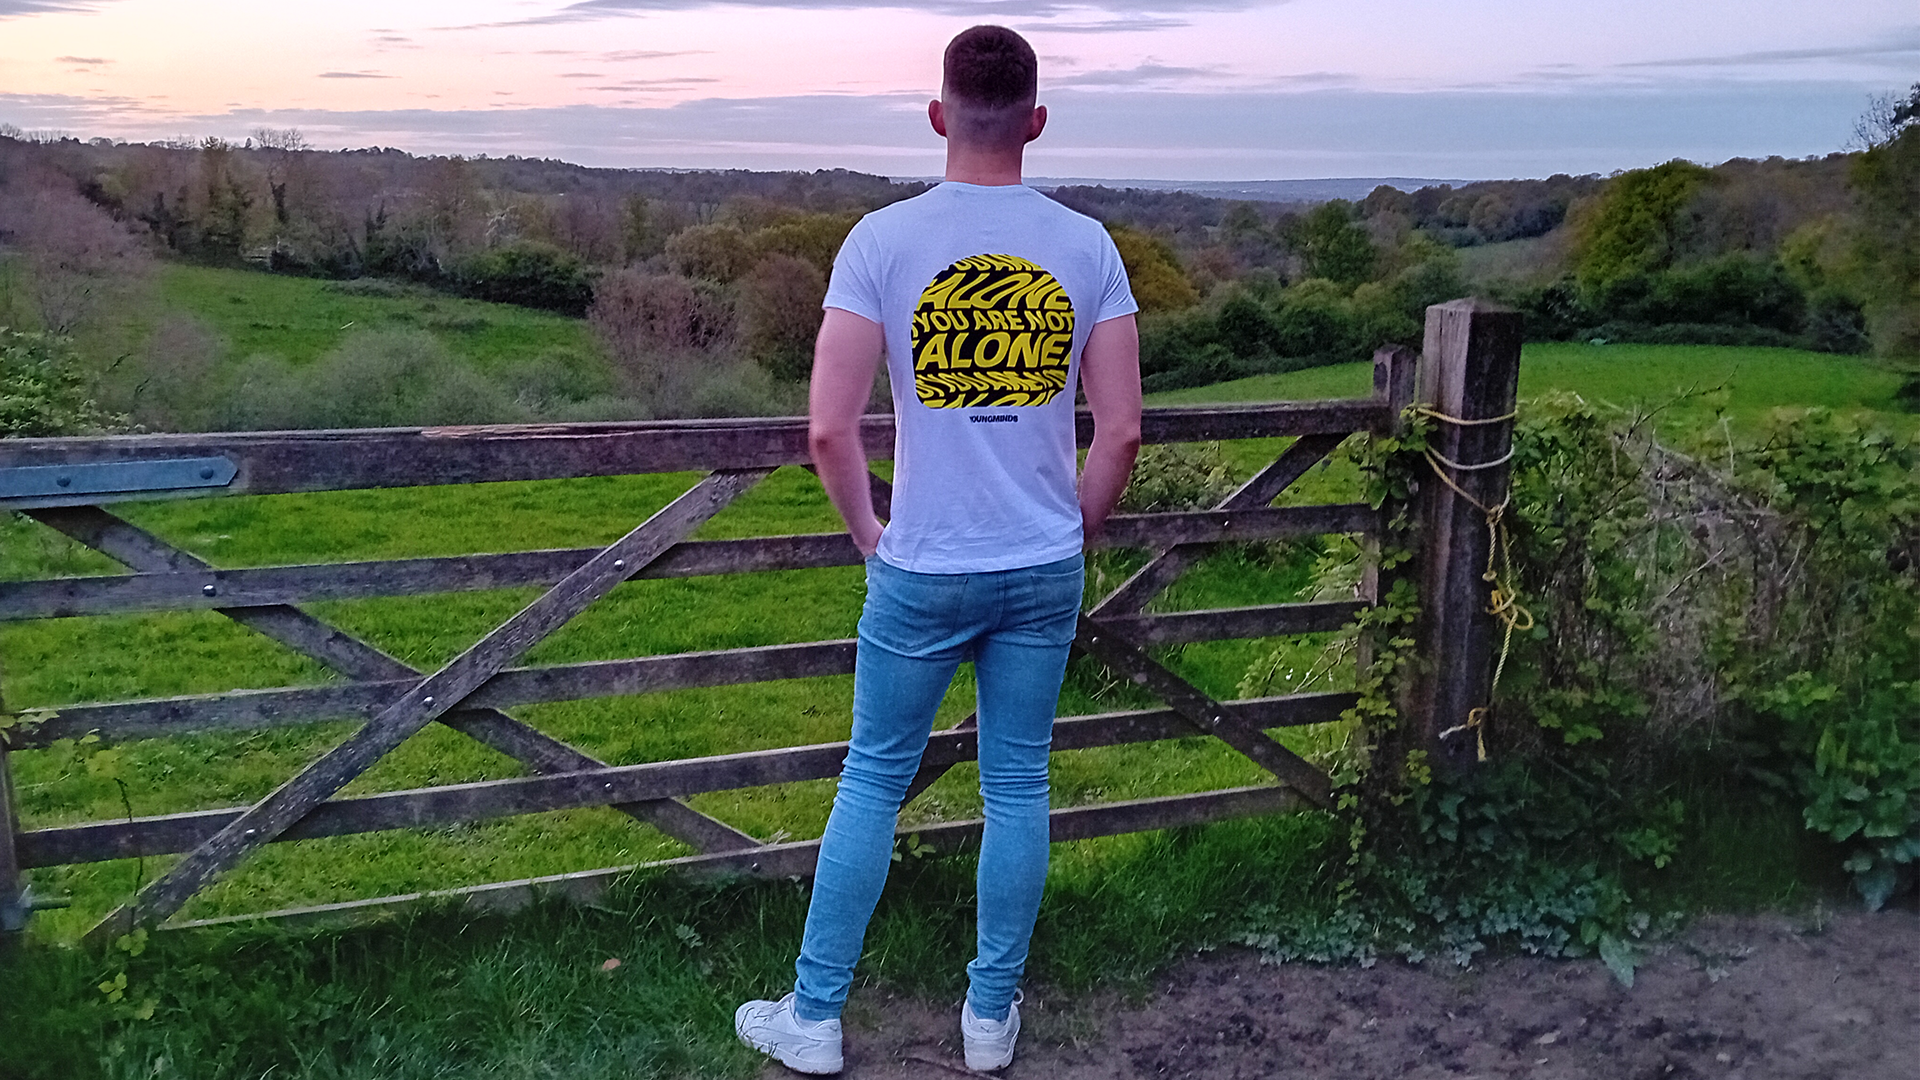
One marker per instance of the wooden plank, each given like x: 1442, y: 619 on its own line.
x: 1216, y: 624
x: 288, y: 461
x: 882, y: 497
x: 787, y: 860
x: 1227, y: 526
x: 349, y: 655
x: 618, y: 785
x: 1470, y: 371
x: 193, y: 585
x: 189, y: 590
x: 932, y: 768
x: 433, y: 696
x: 1262, y: 488
x: 1395, y: 373
x: 1126, y: 660
x: 240, y: 710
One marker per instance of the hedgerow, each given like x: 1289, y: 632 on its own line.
x: 1746, y: 609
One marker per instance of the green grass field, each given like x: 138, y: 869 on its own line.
x: 118, y: 658
x: 300, y: 319
x: 96, y: 659
x: 1689, y: 384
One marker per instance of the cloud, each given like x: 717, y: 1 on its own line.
x: 1138, y: 75
x: 84, y: 61
x: 1105, y: 26
x: 1897, y: 48
x: 651, y: 84
x: 623, y: 56
x: 589, y: 10
x: 353, y: 75
x: 12, y: 8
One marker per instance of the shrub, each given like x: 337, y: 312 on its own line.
x: 1836, y: 323
x: 672, y: 344
x: 815, y: 238
x: 635, y: 312
x: 1633, y: 227
x: 1732, y: 627
x: 381, y: 378
x: 554, y: 383
x: 1733, y: 290
x: 1177, y: 476
x: 175, y: 387
x: 1333, y: 244
x: 1153, y: 270
x: 42, y: 392
x: 780, y: 314
x: 715, y: 252
x: 529, y: 274
x: 79, y: 262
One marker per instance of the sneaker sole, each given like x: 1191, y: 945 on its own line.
x: 977, y: 1066
x: 811, y: 1068
x: 982, y: 1063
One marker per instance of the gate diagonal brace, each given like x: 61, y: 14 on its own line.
x: 1168, y: 564
x: 142, y: 551
x: 431, y: 698
x: 1262, y: 488
x: 1125, y: 658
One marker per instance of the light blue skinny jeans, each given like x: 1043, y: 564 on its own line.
x: 1016, y: 626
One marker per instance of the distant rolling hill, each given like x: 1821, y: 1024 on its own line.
x: 1342, y: 187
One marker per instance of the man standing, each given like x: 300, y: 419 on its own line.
x: 990, y: 303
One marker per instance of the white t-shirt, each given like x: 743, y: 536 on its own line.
x: 987, y: 295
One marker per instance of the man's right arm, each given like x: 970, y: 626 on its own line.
x: 1110, y: 375
x: 846, y: 356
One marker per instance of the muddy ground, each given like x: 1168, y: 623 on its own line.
x: 1833, y: 997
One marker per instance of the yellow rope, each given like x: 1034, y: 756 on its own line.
x: 1504, y: 599
x: 1422, y: 410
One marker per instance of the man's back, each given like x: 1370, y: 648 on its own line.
x: 987, y: 295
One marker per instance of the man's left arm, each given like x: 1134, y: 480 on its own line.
x: 1110, y: 375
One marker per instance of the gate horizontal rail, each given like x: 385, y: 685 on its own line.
x: 290, y: 461
x: 797, y: 859
x: 191, y: 590
x: 456, y: 803
x: 378, y: 690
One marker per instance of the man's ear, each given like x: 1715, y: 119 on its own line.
x: 1037, y: 122
x: 937, y: 116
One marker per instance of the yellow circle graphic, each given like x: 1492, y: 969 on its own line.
x: 991, y: 331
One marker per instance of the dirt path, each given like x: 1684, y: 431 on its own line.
x: 1739, y: 999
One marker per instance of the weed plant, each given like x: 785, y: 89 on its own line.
x: 1740, y: 634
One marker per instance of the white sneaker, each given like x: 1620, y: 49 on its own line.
x: 989, y: 1043
x: 808, y: 1046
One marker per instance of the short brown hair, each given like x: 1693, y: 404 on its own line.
x: 990, y: 66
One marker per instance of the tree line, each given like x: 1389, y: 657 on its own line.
x: 686, y: 276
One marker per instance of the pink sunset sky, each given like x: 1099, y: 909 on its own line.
x: 1170, y: 89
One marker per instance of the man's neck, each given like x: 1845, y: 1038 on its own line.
x: 988, y: 169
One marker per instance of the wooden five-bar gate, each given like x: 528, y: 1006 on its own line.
x: 1468, y: 373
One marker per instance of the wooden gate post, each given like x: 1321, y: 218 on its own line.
x: 1468, y: 378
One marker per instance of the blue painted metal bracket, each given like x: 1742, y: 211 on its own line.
x: 66, y: 485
